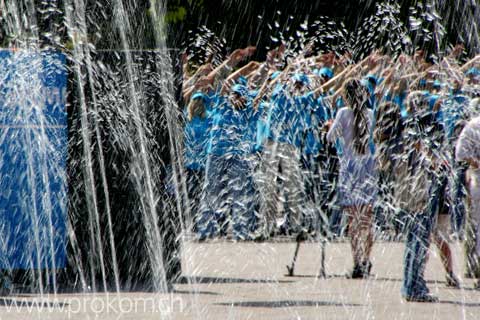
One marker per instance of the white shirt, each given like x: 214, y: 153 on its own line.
x: 343, y: 129
x: 468, y: 144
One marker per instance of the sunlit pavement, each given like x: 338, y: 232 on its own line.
x: 228, y: 280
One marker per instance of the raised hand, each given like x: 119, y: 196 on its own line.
x: 203, y: 82
x: 241, y: 54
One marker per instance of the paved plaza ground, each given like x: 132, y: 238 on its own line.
x: 228, y: 280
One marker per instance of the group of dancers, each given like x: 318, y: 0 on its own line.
x: 388, y: 142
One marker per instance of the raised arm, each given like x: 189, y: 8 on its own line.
x: 202, y: 71
x: 268, y: 85
x: 242, y: 72
x: 470, y: 63
x: 274, y: 56
x: 219, y: 74
x: 338, y: 80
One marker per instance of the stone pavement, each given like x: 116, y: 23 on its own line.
x: 228, y: 280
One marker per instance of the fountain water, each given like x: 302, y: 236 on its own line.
x: 94, y: 194
x: 117, y: 105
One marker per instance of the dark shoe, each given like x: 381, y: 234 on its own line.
x: 302, y: 236
x: 422, y: 298
x: 6, y: 286
x: 201, y: 238
x: 357, y: 273
x: 452, y: 280
x: 285, y: 229
x: 367, y: 267
x: 476, y: 286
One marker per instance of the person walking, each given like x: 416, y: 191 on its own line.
x: 468, y: 150
x: 357, y: 178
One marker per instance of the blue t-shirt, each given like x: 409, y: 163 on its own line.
x: 399, y: 100
x: 322, y: 109
x: 195, y: 140
x: 315, y: 120
x: 196, y: 135
x: 288, y: 117
x: 261, y: 131
x: 372, y: 99
x: 233, y: 132
x: 453, y: 110
x: 339, y: 104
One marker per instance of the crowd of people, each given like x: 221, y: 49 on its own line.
x: 294, y: 144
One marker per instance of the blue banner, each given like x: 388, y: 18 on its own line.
x: 33, y: 155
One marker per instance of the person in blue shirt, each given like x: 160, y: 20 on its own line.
x: 454, y: 109
x: 326, y: 163
x: 285, y: 123
x: 388, y: 138
x: 318, y: 157
x: 472, y: 85
x: 432, y: 94
x: 195, y: 142
x: 433, y: 129
x: 324, y: 73
x: 229, y: 193
x: 398, y: 96
x: 394, y: 98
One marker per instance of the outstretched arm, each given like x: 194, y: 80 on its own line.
x: 470, y: 63
x: 219, y: 74
x: 268, y: 85
x: 244, y: 71
x: 338, y: 80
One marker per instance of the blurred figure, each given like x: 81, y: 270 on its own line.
x: 314, y: 154
x: 195, y: 140
x: 357, y: 179
x: 431, y: 130
x: 455, y: 110
x: 284, y: 125
x: 389, y: 141
x: 414, y: 182
x: 229, y: 192
x: 468, y: 150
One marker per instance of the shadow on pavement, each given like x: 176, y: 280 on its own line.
x: 188, y: 279
x: 211, y: 293
x: 461, y: 303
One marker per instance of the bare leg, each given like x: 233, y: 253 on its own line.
x: 361, y: 239
x: 444, y: 249
x: 367, y: 229
x: 353, y: 224
x: 445, y: 252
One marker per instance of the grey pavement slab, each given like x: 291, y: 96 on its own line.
x: 228, y: 280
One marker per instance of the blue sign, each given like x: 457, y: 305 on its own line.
x: 33, y: 154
